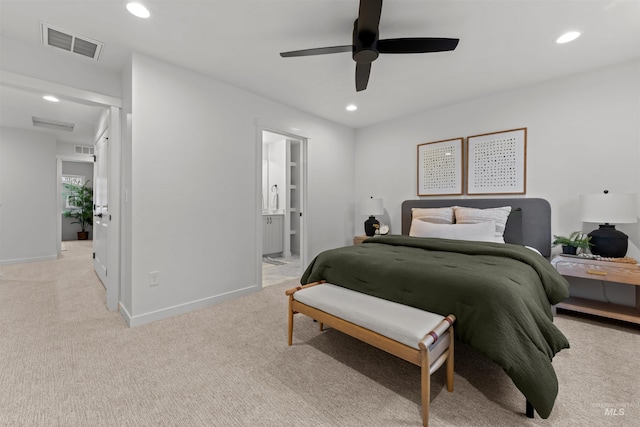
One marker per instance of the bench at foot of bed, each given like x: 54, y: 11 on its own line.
x: 417, y: 336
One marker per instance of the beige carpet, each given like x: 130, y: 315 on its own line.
x: 67, y: 361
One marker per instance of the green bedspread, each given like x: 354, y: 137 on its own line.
x: 501, y: 295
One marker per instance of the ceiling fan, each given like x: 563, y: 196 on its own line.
x: 366, y: 46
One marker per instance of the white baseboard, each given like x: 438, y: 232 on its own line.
x: 25, y: 260
x: 165, y: 313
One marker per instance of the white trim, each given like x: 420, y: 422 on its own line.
x: 168, y: 312
x: 114, y: 174
x: 258, y: 202
x: 74, y: 158
x: 304, y: 239
x: 25, y: 260
x: 8, y: 78
x: 260, y: 128
x: 59, y: 159
x: 58, y: 205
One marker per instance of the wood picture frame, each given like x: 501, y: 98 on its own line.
x: 440, y: 168
x: 497, y: 163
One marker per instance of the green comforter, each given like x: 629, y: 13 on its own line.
x: 501, y: 295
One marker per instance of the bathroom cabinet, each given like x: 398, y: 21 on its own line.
x: 272, y: 234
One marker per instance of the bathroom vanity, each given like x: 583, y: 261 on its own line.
x: 272, y: 234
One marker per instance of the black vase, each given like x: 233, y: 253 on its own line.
x: 369, y: 228
x: 569, y: 250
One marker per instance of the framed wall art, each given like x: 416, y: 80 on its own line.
x: 440, y: 168
x: 497, y: 162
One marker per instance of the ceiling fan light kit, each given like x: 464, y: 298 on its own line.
x: 366, y: 45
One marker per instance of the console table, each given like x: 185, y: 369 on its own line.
x: 602, y: 271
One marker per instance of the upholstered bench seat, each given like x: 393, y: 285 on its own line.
x: 418, y: 336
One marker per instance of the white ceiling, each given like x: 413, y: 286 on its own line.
x: 17, y: 107
x: 504, y: 44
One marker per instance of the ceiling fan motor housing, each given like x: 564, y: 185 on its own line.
x: 365, y: 45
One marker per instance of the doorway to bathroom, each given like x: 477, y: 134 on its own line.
x: 283, y: 201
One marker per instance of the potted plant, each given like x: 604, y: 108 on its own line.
x: 80, y: 203
x: 570, y: 245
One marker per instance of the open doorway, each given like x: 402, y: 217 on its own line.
x: 283, y: 199
x: 76, y: 172
x: 29, y: 104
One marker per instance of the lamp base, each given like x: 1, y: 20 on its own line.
x: 369, y: 228
x: 609, y: 242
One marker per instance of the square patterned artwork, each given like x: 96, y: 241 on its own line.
x: 496, y: 163
x: 440, y: 168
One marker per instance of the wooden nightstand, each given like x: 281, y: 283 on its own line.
x: 600, y: 270
x: 359, y: 239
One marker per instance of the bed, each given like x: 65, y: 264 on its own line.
x: 501, y: 293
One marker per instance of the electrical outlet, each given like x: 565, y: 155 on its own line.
x: 153, y: 278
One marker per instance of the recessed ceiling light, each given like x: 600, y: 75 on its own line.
x: 351, y: 107
x: 51, y: 98
x: 138, y: 10
x: 568, y: 37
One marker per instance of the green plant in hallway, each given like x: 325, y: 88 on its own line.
x: 80, y: 207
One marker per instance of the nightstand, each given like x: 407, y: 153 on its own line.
x: 359, y: 239
x: 602, y: 271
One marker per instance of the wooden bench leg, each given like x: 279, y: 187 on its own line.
x: 425, y: 373
x: 290, y: 329
x: 290, y: 293
x: 425, y: 378
x: 450, y: 361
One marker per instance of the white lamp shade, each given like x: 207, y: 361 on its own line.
x: 372, y: 207
x: 609, y: 208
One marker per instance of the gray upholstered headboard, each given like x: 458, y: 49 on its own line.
x: 529, y: 222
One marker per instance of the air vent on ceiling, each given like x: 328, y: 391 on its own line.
x: 83, y: 149
x: 71, y: 42
x: 52, y: 124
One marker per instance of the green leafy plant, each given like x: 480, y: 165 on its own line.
x: 80, y: 199
x: 577, y: 239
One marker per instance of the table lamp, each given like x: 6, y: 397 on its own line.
x: 608, y: 209
x: 372, y: 207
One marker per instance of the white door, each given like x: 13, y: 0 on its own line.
x: 101, y: 209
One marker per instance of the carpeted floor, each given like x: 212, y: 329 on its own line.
x: 67, y: 361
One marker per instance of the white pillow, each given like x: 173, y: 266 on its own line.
x: 474, y: 216
x: 534, y: 250
x: 480, y: 232
x: 433, y: 215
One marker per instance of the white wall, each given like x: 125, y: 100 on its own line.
x: 583, y: 137
x: 65, y: 148
x: 28, y: 201
x: 194, y: 193
x: 125, y: 193
x: 45, y: 63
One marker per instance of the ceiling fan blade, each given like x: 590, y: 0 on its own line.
x: 417, y: 45
x: 369, y: 16
x: 317, y: 51
x: 363, y: 69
